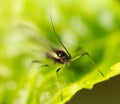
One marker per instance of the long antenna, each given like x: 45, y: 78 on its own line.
x: 56, y: 32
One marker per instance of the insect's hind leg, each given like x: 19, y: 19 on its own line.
x: 91, y: 60
x: 59, y: 82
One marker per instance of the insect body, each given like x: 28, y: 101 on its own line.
x: 59, y: 56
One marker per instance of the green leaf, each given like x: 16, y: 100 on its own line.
x: 47, y: 90
x: 86, y: 82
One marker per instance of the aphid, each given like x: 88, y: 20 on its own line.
x: 61, y: 56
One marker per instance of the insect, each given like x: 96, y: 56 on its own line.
x: 61, y: 56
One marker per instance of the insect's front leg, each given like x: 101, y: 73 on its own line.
x: 91, y: 60
x: 59, y: 82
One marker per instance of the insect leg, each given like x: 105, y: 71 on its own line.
x: 91, y: 60
x: 35, y: 61
x: 44, y: 65
x: 38, y: 61
x: 60, y: 85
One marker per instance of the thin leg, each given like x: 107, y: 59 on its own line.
x: 35, y: 61
x: 91, y: 60
x: 45, y: 65
x: 38, y: 61
x: 60, y: 85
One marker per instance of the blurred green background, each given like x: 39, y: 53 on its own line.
x: 90, y: 24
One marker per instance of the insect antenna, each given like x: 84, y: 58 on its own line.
x: 56, y: 32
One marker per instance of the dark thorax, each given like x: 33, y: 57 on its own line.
x: 59, y: 56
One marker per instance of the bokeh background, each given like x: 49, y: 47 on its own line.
x: 90, y: 24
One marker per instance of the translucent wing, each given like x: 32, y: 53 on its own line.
x: 50, y: 50
x: 32, y: 34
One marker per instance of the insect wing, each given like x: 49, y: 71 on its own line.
x: 32, y: 34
